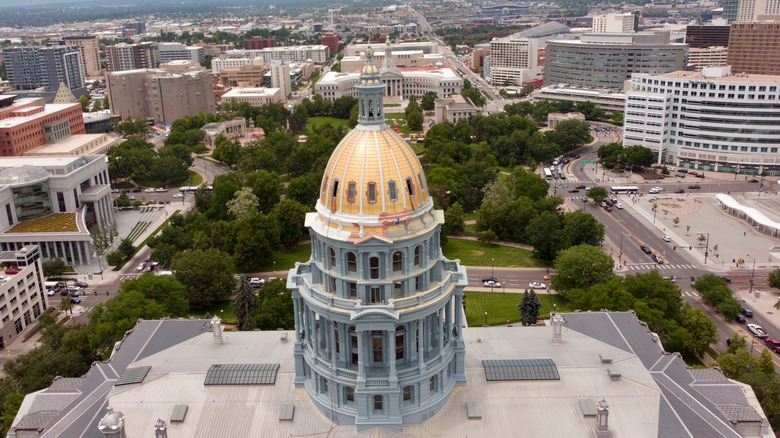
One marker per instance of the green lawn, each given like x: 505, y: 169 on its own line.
x: 402, y: 126
x: 223, y: 309
x: 285, y: 260
x: 473, y: 253
x: 316, y: 122
x: 502, y: 307
x: 194, y: 179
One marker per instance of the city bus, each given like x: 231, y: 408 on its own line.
x: 625, y: 189
x: 188, y: 190
x: 547, y: 173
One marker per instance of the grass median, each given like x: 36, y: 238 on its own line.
x: 475, y: 253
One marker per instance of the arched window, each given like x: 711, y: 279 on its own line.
x: 351, y: 262
x: 373, y: 265
x: 332, y: 254
x: 417, y: 255
x: 398, y: 261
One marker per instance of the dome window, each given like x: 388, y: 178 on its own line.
x: 351, y: 192
x: 409, y: 186
x: 371, y: 193
x: 392, y: 191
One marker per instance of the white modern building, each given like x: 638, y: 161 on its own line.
x: 614, y: 23
x: 513, y: 61
x: 712, y: 120
x: 280, y: 77
x: 219, y: 64
x: 23, y: 296
x: 318, y: 54
x: 168, y: 52
x: 254, y: 96
x: 604, y: 99
x: 51, y: 201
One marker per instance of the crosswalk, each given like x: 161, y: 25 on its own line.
x: 690, y: 293
x: 651, y: 266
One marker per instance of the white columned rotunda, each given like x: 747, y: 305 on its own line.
x: 378, y: 308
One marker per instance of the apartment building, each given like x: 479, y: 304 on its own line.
x: 753, y: 47
x: 280, y: 77
x: 712, y: 120
x: 615, y: 23
x: 123, y: 56
x: 31, y: 68
x: 752, y: 10
x: 89, y: 47
x: 219, y: 64
x: 168, y: 52
x: 258, y: 43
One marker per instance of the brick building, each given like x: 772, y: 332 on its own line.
x: 332, y: 41
x: 26, y: 124
x: 258, y: 43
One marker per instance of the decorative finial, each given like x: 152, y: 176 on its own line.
x: 369, y: 52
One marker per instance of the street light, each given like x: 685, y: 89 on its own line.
x: 274, y: 268
x: 485, y: 318
x: 492, y: 261
x: 752, y: 274
x: 504, y: 286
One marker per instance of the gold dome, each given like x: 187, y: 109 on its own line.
x: 373, y: 172
x: 369, y: 69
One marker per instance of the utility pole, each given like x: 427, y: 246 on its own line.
x: 707, y: 248
x: 752, y: 274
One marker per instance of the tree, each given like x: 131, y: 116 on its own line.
x: 226, y: 151
x: 162, y: 289
x: 84, y: 102
x: 546, y: 235
x: 275, y: 307
x: 428, y: 102
x: 676, y: 220
x: 11, y: 404
x: 109, y: 321
x: 414, y: 120
x: 570, y: 134
x: 411, y: 107
x: 487, y: 237
x: 66, y: 305
x: 290, y: 216
x: 736, y: 361
x: 106, y: 104
x: 453, y: 217
x: 598, y: 194
x: 701, y: 328
x: 242, y: 203
x: 54, y: 267
x: 581, y: 227
x: 774, y: 279
x: 581, y: 267
x: 126, y: 247
x: 529, y: 307
x: 475, y: 95
x: 103, y: 237
x: 168, y: 169
x: 244, y: 304
x: 205, y: 274
x: 765, y: 365
x: 115, y: 258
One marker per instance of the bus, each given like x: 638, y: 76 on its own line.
x: 188, y: 190
x: 625, y: 189
x: 547, y: 173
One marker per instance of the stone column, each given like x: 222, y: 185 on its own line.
x: 421, y: 346
x: 297, y: 321
x: 361, y: 356
x: 448, y: 316
x: 440, y: 328
x: 391, y: 356
x: 315, y: 336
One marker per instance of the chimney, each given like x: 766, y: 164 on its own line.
x: 602, y: 416
x: 557, y: 325
x: 160, y: 429
x: 113, y: 424
x: 216, y: 328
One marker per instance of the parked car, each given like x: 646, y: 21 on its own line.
x: 485, y: 279
x: 132, y: 198
x: 149, y: 268
x: 51, y: 292
x: 679, y: 175
x: 666, y: 238
x: 161, y: 190
x: 607, y: 208
x: 574, y: 191
x: 694, y: 187
x: 753, y: 180
x: 658, y: 259
x: 178, y: 195
x: 137, y: 190
x: 701, y: 175
x: 149, y: 190
x: 580, y: 187
x: 80, y: 284
x: 660, y: 177
x: 679, y: 191
x: 645, y: 249
x: 536, y: 285
x: 740, y: 319
x: 256, y: 282
x: 140, y: 267
x: 75, y: 300
x: 758, y: 331
x: 773, y: 345
x: 682, y: 170
x: 747, y: 313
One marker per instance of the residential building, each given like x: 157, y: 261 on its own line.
x: 280, y: 77
x: 23, y: 296
x: 707, y: 57
x: 250, y: 75
x: 254, y: 96
x: 615, y: 23
x: 258, y: 43
x: 168, y: 52
x: 606, y: 61
x: 89, y: 47
x: 176, y: 89
x: 702, y: 37
x: 231, y: 129
x: 752, y: 10
x: 332, y: 41
x: 513, y: 61
x: 219, y: 64
x: 30, y: 68
x: 454, y: 108
x: 51, y: 201
x: 123, y: 56
x: 753, y: 47
x: 28, y: 123
x: 605, y: 99
x: 317, y: 54
x: 380, y: 341
x: 713, y: 120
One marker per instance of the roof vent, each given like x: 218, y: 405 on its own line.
x: 112, y: 424
x: 286, y: 412
x: 614, y: 374
x: 216, y: 328
x: 474, y: 410
x: 602, y: 428
x: 160, y: 429
x: 557, y: 323
x: 283, y: 335
x: 605, y: 358
x: 588, y: 407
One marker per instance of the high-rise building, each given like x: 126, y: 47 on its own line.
x: 703, y: 37
x: 168, y: 52
x: 123, y: 56
x: 751, y: 10
x: 332, y: 41
x: 707, y: 57
x: 30, y: 68
x: 280, y: 77
x: 514, y: 60
x: 89, y: 47
x: 166, y: 94
x: 135, y: 27
x: 258, y: 43
x: 606, y: 61
x: 615, y: 23
x: 753, y: 47
x: 713, y: 120
x: 730, y: 8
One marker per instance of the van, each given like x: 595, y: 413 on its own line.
x: 773, y: 345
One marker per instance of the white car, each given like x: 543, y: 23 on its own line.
x: 149, y: 190
x: 655, y: 190
x: 667, y: 239
x: 619, y: 205
x: 140, y: 267
x: 491, y: 283
x: 536, y: 285
x: 161, y: 190
x: 178, y: 195
x: 757, y: 331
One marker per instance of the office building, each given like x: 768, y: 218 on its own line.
x: 23, y: 296
x: 730, y: 8
x: 454, y: 108
x: 753, y: 47
x: 123, y: 56
x: 702, y: 37
x: 713, y: 120
x: 513, y: 61
x: 280, y: 77
x: 135, y: 28
x: 250, y: 76
x: 332, y: 41
x: 607, y: 100
x: 407, y: 58
x: 399, y: 83
x: 26, y: 124
x: 168, y: 52
x: 606, y: 61
x: 752, y: 10
x: 258, y: 43
x: 89, y: 47
x: 381, y: 345
x: 254, y: 96
x: 478, y: 57
x: 427, y: 47
x: 615, y: 23
x: 219, y: 64
x: 176, y: 89
x: 30, y: 68
x: 707, y: 57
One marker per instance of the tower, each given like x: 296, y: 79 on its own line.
x: 388, y: 62
x: 378, y: 308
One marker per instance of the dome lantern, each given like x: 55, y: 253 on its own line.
x: 370, y: 92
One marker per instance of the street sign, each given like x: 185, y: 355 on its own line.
x: 584, y: 161
x: 592, y: 162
